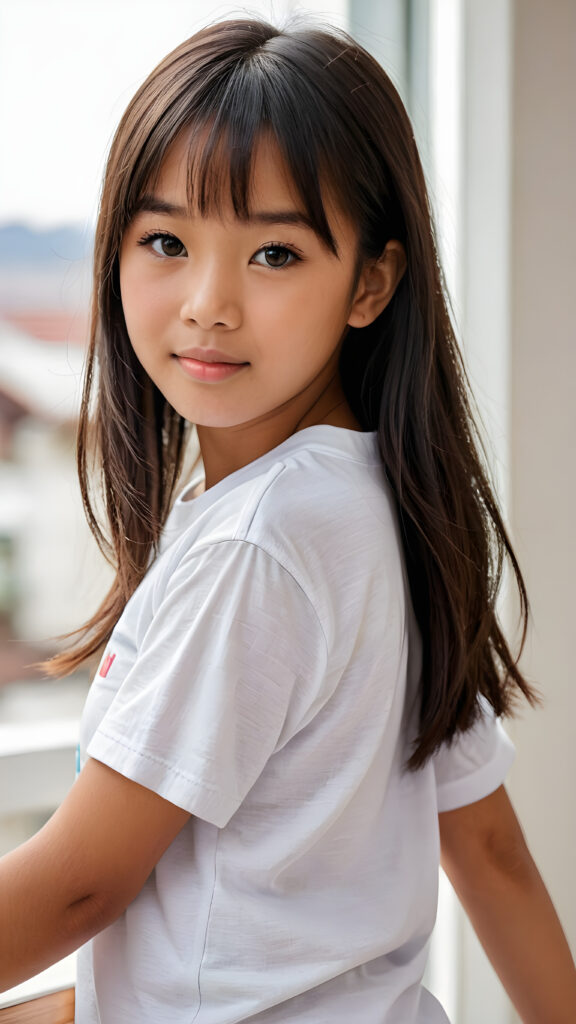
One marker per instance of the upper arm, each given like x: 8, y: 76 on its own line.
x: 105, y: 839
x: 479, y: 837
x: 219, y: 680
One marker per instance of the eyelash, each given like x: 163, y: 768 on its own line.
x: 295, y: 256
x: 153, y: 236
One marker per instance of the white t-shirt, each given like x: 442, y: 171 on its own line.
x: 263, y: 677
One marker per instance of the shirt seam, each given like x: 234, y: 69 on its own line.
x: 244, y: 527
x: 206, y: 545
x: 206, y: 930
x: 201, y: 783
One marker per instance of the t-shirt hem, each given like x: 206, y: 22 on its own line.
x: 191, y: 794
x: 481, y: 783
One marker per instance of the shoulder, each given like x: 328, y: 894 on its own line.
x: 317, y: 497
x: 330, y: 521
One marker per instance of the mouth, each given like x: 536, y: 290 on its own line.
x: 209, y: 355
x: 209, y: 366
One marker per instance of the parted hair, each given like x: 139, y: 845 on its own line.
x: 342, y: 131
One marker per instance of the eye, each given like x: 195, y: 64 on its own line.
x: 275, y: 256
x: 163, y: 244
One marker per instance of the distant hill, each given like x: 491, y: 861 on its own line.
x: 20, y: 244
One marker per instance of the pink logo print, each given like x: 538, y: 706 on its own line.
x: 106, y: 665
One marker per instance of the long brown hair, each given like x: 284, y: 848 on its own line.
x: 341, y: 127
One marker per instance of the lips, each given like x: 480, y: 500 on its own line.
x: 209, y: 355
x: 209, y: 365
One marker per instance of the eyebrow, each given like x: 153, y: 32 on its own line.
x: 154, y: 204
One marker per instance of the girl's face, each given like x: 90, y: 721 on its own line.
x: 237, y: 322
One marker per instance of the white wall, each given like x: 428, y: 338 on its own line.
x: 543, y: 426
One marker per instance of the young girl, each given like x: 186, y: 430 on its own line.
x: 301, y: 663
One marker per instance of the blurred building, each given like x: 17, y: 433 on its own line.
x: 51, y: 573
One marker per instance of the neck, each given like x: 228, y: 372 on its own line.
x: 227, y: 449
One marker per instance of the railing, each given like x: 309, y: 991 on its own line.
x: 56, y: 1008
x: 36, y: 771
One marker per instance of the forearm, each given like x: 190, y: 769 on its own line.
x: 517, y: 925
x: 40, y: 922
x: 80, y: 872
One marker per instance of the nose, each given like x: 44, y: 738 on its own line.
x: 211, y: 297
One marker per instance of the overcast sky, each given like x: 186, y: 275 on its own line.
x: 67, y: 71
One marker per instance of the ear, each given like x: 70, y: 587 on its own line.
x: 377, y: 284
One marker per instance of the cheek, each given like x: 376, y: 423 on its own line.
x: 322, y: 313
x: 322, y: 304
x: 132, y: 298
x: 144, y: 306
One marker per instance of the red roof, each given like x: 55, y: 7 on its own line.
x: 51, y: 324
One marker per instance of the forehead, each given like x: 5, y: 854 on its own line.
x: 180, y: 176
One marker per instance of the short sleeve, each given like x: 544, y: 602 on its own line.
x: 233, y: 657
x: 475, y: 764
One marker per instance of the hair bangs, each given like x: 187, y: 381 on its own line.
x: 261, y: 99
x: 222, y: 140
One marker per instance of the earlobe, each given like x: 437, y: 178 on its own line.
x: 378, y: 282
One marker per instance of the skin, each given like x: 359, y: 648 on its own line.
x: 80, y: 872
x: 486, y: 858
x: 208, y: 283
